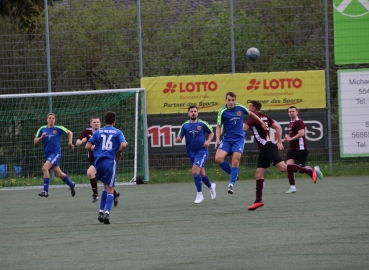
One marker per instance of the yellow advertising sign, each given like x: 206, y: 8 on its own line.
x: 276, y: 90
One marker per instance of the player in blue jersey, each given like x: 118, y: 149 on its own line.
x: 50, y: 136
x: 91, y: 171
x: 108, y: 143
x: 197, y: 150
x: 230, y: 116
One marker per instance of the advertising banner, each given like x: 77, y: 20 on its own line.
x: 275, y: 90
x: 351, y: 31
x: 162, y: 132
x: 353, y: 93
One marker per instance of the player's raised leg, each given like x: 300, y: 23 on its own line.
x: 116, y: 197
x: 314, y: 173
x: 65, y: 179
x: 220, y: 156
x: 91, y: 174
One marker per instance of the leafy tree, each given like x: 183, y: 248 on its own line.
x: 24, y: 13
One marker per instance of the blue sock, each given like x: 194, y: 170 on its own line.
x: 206, y: 181
x: 109, y: 202
x: 198, y: 182
x: 67, y: 181
x: 225, y: 166
x: 103, y: 200
x: 46, y: 184
x: 234, y: 174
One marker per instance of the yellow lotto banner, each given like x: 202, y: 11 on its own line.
x: 275, y: 90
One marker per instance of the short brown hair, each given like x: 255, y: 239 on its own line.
x: 95, y: 117
x: 232, y: 94
x: 256, y: 104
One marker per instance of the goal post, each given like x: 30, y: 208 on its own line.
x: 21, y: 115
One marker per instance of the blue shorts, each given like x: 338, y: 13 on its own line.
x: 54, y: 159
x: 105, y: 171
x: 199, y: 159
x: 232, y: 146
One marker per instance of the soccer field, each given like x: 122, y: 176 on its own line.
x: 322, y: 226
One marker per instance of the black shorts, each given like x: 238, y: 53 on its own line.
x: 268, y: 154
x: 298, y: 155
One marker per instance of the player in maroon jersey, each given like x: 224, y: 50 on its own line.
x: 269, y: 152
x: 91, y: 172
x: 297, y: 153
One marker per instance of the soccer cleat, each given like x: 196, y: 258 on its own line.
x: 255, y: 206
x: 100, y: 217
x: 106, y: 218
x: 95, y: 198
x: 116, y: 199
x: 72, y: 190
x: 213, y: 194
x: 318, y: 172
x: 230, y: 189
x: 199, y: 199
x: 43, y: 194
x: 313, y: 176
x: 290, y: 191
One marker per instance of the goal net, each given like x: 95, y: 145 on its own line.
x: 23, y: 114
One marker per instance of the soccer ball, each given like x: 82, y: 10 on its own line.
x: 253, y: 54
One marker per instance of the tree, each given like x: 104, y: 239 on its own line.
x: 24, y: 13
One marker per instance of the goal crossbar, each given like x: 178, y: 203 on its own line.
x: 72, y: 93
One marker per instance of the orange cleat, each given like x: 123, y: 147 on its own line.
x: 255, y: 206
x: 314, y: 176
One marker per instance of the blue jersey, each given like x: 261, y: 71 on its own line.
x: 195, y: 136
x: 107, y: 141
x: 52, y: 140
x: 232, y: 121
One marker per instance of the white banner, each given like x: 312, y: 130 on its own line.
x: 354, y: 112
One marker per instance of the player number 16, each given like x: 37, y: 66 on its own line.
x: 106, y: 143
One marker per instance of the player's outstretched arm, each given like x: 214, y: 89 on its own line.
x: 245, y: 127
x: 251, y: 114
x: 178, y: 139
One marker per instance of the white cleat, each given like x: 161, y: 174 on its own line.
x: 199, y: 199
x: 213, y: 194
x: 291, y: 191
